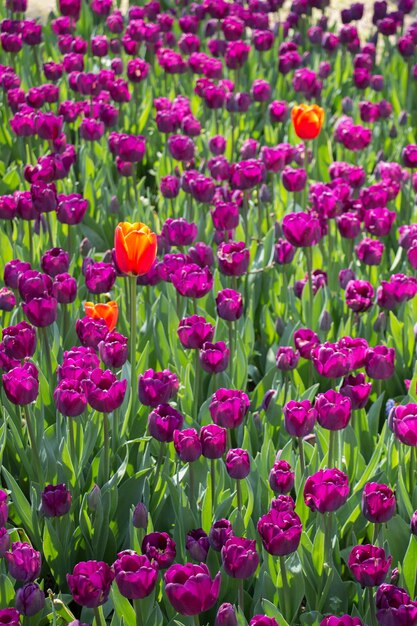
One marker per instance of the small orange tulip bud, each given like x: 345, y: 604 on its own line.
x: 307, y: 120
x: 135, y: 248
x: 108, y: 311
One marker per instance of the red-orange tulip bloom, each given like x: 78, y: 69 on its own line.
x: 135, y: 248
x: 307, y: 120
x: 108, y: 311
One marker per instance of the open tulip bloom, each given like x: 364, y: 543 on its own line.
x: 208, y: 257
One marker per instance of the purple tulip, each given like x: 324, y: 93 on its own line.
x: 100, y: 277
x: 280, y: 532
x: 192, y: 281
x: 357, y: 389
x: 91, y: 331
x: 179, y: 232
x: 333, y: 410
x: 233, y: 258
x: 344, y: 620
x: 12, y: 271
x: 103, y: 391
x: 369, y: 565
x: 4, y: 543
x: 326, y: 490
x: 201, y: 254
x: 157, y: 387
x: 9, y: 617
x: 240, y: 558
x: 135, y: 574
x: 228, y: 407
x: 359, y: 295
x: 229, y: 305
x: 226, y: 615
x: 219, y: 533
x: 113, y: 350
x: 181, y: 147
x: 301, y: 229
x: 247, y: 174
x: 294, y: 180
x: 380, y: 362
x: 64, y: 288
x: 237, y: 463
x: 19, y: 341
x: 90, y: 583
x: 197, y: 545
x: 55, y: 501
x: 287, y: 358
x: 23, y: 562
x: 331, y: 360
x: 225, y: 216
x: 213, y: 440
x: 187, y: 444
x: 299, y: 418
x: 378, y: 503
x: 30, y: 599
x: 214, y: 357
x: 394, y: 606
x: 404, y: 421
x: 281, y: 478
x: 41, y: 311
x: 190, y: 588
x: 4, y: 509
x: 263, y: 620
x: 194, y: 331
x: 159, y: 547
x: 21, y: 384
x: 7, y: 299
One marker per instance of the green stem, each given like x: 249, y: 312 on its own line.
x: 138, y: 612
x: 98, y: 616
x: 196, y: 620
x: 191, y: 485
x: 302, y: 459
x: 106, y: 435
x: 133, y: 382
x: 285, y: 585
x: 309, y: 259
x: 33, y: 444
x: 330, y: 454
x: 231, y: 346
x: 239, y: 496
x: 375, y: 534
x: 47, y: 354
x: 71, y: 426
x: 328, y: 555
x: 241, y: 596
x: 372, y: 612
x: 411, y: 470
x: 213, y: 486
x: 197, y: 369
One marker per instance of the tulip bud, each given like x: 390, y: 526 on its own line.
x: 114, y: 206
x: 403, y: 118
x: 264, y: 196
x: 395, y: 576
x: 380, y: 323
x: 85, y: 247
x: 226, y: 615
x: 94, y: 498
x: 393, y: 133
x: 29, y: 599
x: 140, y: 516
x: 4, y: 542
x: 325, y: 321
x: 280, y: 326
x: 413, y: 523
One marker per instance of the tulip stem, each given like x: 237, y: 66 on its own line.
x: 309, y: 259
x: 239, y: 496
x: 411, y: 469
x: 47, y: 354
x: 138, y: 612
x: 285, y: 585
x: 133, y: 381
x: 302, y: 459
x: 371, y: 603
x: 191, y: 485
x: 327, y: 520
x: 375, y: 534
x: 106, y: 436
x: 213, y: 486
x: 196, y: 384
x: 330, y: 453
x: 98, y: 616
x: 33, y: 444
x: 196, y: 620
x: 71, y: 426
x: 231, y: 346
x: 241, y: 596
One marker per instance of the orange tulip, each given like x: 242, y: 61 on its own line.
x: 108, y: 311
x: 135, y: 248
x: 307, y: 120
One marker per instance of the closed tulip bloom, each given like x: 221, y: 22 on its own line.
x: 71, y: 209
x: 357, y: 389
x: 370, y: 251
x: 187, y: 444
x: 331, y: 360
x: 283, y: 503
x: 287, y: 358
x: 369, y: 565
x: 281, y: 478
x: 11, y: 617
x: 157, y: 387
x: 219, y: 533
x: 240, y: 558
x: 307, y: 120
x: 214, y: 357
x: 197, y: 545
x: 359, y: 295
x: 4, y: 509
x: 30, y: 599
x: 237, y: 463
x: 190, y: 588
x: 299, y: 418
x: 55, y: 261
x: 179, y: 232
x: 378, y: 503
x: 192, y: 281
x: 135, y: 574
x: 229, y: 305
x: 104, y: 392
x: 113, y: 350
x: 21, y: 384
x: 247, y: 174
x: 333, y: 410
x: 326, y: 490
x: 159, y: 547
x: 226, y: 615
x: 135, y: 248
x: 380, y: 362
x: 305, y: 341
x: 170, y: 186
x: 70, y: 398
x: 278, y: 111
x: 64, y: 288
x: 349, y: 224
x: 344, y: 620
x: 19, y: 341
x: 181, y: 147
x: 293, y: 179
x: 233, y: 258
x: 280, y: 532
x: 263, y: 620
x: 100, y: 277
x: 7, y: 299
x: 213, y: 441
x: 91, y: 331
x: 395, y: 607
x: 194, y: 331
x: 90, y: 583
x: 301, y: 229
x: 41, y: 311
x: 228, y: 407
x: 12, y: 271
x: 405, y: 423
x: 55, y: 500
x: 23, y: 562
x: 107, y: 311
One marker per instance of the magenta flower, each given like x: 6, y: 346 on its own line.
x: 359, y: 295
x: 369, y: 565
x: 333, y: 410
x: 157, y: 388
x: 299, y: 418
x: 281, y: 478
x: 159, y: 547
x: 237, y: 463
x: 380, y: 362
x: 23, y: 562
x: 21, y: 384
x: 378, y: 503
x: 90, y: 583
x: 194, y: 331
x: 213, y: 440
x: 280, y: 532
x: 404, y: 423
x: 70, y: 398
x: 240, y: 558
x: 135, y: 574
x: 301, y: 229
x: 214, y: 357
x: 192, y: 281
x: 197, y: 545
x: 55, y: 500
x: 190, y: 588
x: 103, y: 391
x: 233, y: 258
x: 326, y: 490
x: 228, y: 407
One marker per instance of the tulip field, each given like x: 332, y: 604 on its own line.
x: 208, y: 307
